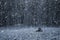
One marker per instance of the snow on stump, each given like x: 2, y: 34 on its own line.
x: 39, y: 30
x: 54, y: 39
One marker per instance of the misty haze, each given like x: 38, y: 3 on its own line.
x: 29, y: 20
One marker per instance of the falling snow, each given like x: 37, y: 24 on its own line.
x: 19, y: 19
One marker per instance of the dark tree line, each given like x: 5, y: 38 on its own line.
x: 29, y: 12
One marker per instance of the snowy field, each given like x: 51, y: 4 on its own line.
x: 30, y: 34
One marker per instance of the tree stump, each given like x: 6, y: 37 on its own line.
x: 39, y: 30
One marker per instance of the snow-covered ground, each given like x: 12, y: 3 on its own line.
x: 48, y: 33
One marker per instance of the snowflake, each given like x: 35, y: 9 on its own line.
x: 6, y: 16
x: 5, y: 3
x: 16, y: 30
x: 34, y: 19
x: 13, y: 15
x: 2, y: 31
x: 25, y: 9
x: 26, y: 1
x: 16, y: 14
x: 55, y: 7
x: 0, y: 2
x: 56, y: 0
x: 44, y: 9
